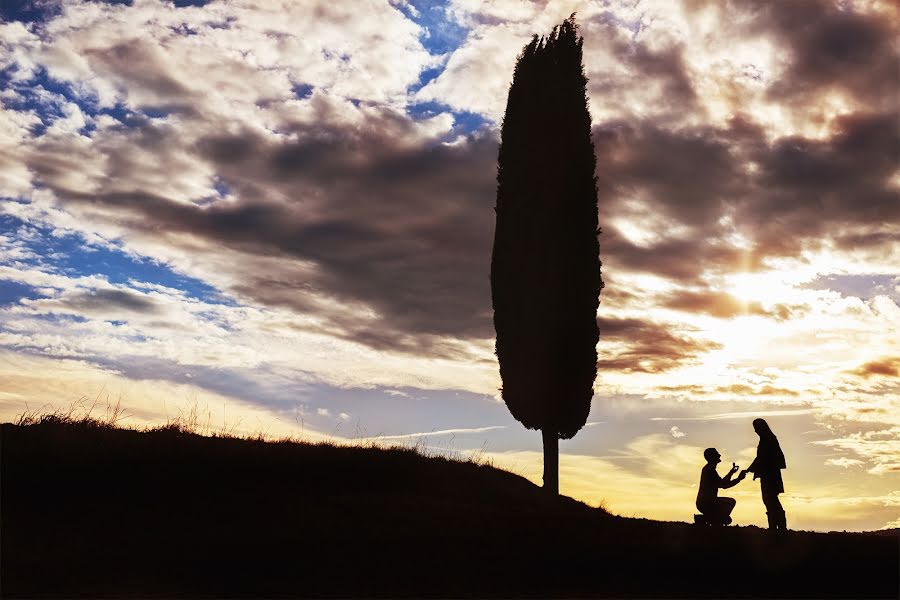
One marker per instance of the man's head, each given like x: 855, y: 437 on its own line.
x: 712, y: 456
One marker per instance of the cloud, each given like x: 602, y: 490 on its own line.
x: 832, y: 47
x: 376, y: 221
x: 461, y: 430
x: 41, y: 384
x: 645, y: 346
x: 716, y: 304
x: 741, y: 415
x: 676, y: 433
x: 100, y: 303
x: 880, y: 449
x: 815, y: 188
x: 276, y: 156
x: 844, y: 462
x: 736, y: 389
x: 888, y: 366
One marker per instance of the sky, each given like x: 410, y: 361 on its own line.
x: 277, y: 217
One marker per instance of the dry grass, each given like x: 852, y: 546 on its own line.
x: 80, y: 412
x: 195, y: 420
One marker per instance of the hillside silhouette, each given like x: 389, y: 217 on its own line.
x: 92, y: 510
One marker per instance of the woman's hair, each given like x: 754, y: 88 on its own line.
x: 762, y: 428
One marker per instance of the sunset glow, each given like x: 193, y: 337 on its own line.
x: 279, y: 215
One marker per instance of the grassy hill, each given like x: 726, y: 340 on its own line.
x: 93, y: 510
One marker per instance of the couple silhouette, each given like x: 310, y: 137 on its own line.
x: 766, y: 467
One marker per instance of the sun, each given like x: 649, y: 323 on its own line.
x: 767, y: 288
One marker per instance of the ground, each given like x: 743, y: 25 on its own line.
x: 92, y: 510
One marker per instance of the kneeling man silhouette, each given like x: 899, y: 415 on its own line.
x: 715, y: 510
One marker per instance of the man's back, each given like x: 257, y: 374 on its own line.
x: 709, y: 485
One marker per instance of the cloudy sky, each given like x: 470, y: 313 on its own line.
x: 280, y: 214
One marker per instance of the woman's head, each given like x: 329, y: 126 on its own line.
x: 761, y: 427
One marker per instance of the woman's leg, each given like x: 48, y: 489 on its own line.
x: 774, y: 510
x: 779, y: 509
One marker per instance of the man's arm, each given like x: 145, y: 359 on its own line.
x: 726, y: 482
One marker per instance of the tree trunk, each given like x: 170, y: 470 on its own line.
x: 551, y: 461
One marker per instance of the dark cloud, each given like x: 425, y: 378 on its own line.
x: 784, y: 195
x: 388, y: 221
x: 651, y: 347
x: 738, y: 388
x: 402, y: 230
x: 684, y: 260
x: 100, y: 302
x: 716, y: 304
x: 810, y: 191
x: 647, y: 67
x: 141, y: 65
x: 831, y: 46
x: 686, y: 175
x: 799, y: 194
x: 687, y: 179
x: 723, y: 305
x: 888, y: 366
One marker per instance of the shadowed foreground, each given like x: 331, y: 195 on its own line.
x: 100, y: 511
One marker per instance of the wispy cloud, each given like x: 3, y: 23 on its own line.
x: 441, y: 432
x: 741, y: 415
x: 278, y: 199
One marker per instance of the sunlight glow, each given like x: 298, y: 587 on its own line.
x: 767, y: 287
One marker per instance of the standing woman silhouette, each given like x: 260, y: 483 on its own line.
x: 767, y: 468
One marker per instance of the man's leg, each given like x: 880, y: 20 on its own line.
x: 725, y: 506
x: 707, y: 514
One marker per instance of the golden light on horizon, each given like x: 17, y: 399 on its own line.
x: 284, y: 210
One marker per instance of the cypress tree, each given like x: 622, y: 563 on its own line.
x: 545, y: 268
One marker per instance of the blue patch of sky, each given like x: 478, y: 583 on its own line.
x: 45, y: 96
x: 56, y: 318
x: 12, y: 292
x: 36, y: 11
x: 185, y: 29
x: 27, y: 11
x: 221, y: 186
x: 464, y: 121
x: 303, y: 90
x: 864, y: 286
x: 426, y: 77
x: 155, y: 112
x: 70, y: 255
x: 441, y: 33
x: 329, y: 55
x: 226, y: 24
x: 440, y: 36
x: 41, y: 95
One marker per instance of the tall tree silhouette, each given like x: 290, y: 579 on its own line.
x: 545, y: 268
